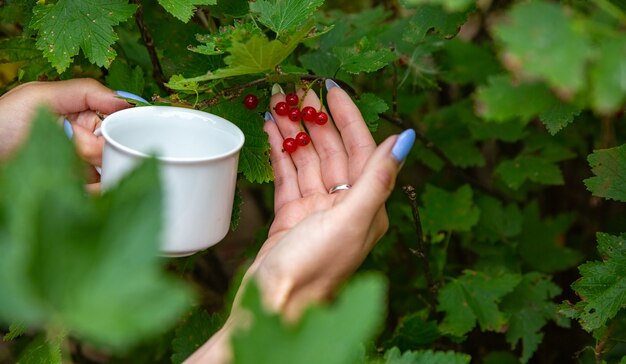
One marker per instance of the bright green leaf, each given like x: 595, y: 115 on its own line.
x: 183, y: 9
x: 541, y: 40
x: 474, y: 297
x: 541, y: 243
x: 394, y: 356
x: 529, y: 307
x: 363, y: 56
x: 370, y: 106
x: 602, y: 286
x: 609, y: 167
x: 445, y: 211
x: 529, y: 167
x: 284, y: 15
x: 68, y: 26
x: 329, y: 334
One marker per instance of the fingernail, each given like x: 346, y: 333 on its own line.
x: 67, y: 128
x: 277, y: 89
x: 403, y: 145
x: 269, y: 116
x: 132, y: 96
x: 330, y: 84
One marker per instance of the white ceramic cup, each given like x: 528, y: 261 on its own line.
x: 197, y: 153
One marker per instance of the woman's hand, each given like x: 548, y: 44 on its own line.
x: 78, y: 100
x: 317, y: 238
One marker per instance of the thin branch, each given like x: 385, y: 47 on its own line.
x: 420, y: 249
x: 430, y: 145
x: 157, y: 70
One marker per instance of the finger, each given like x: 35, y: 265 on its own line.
x: 376, y: 182
x: 328, y: 144
x: 93, y: 188
x: 304, y: 158
x: 357, y: 139
x: 80, y: 95
x: 88, y: 146
x: 285, y: 175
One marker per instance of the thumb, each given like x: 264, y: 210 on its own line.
x: 378, y: 178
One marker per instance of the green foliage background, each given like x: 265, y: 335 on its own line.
x: 507, y: 236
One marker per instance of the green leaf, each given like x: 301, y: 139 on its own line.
x: 541, y: 40
x: 602, y: 286
x: 558, y: 116
x: 24, y: 51
x: 284, y: 15
x: 197, y: 328
x: 110, y: 290
x: 609, y: 167
x: 121, y: 76
x: 413, y: 331
x: 541, y: 242
x: 449, y: 5
x: 363, y: 56
x: 393, y: 356
x: 497, y: 223
x: 183, y: 9
x: 608, y: 76
x: 445, y: 211
x: 516, y: 171
x: 472, y: 298
x: 68, y: 26
x: 328, y: 334
x: 254, y: 157
x: 370, y: 106
x: 529, y: 307
x: 500, y: 100
x: 41, y: 351
x: 232, y: 8
x: 466, y: 63
x: 15, y: 331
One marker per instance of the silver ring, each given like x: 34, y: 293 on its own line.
x: 340, y: 187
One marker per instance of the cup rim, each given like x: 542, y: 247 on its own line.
x: 199, y: 113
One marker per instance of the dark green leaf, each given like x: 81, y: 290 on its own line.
x: 497, y: 223
x: 124, y: 77
x: 445, y: 211
x: 370, y: 106
x: 609, y: 167
x: 558, y: 116
x: 529, y: 167
x: 197, y: 328
x: 393, y: 356
x: 414, y: 331
x: 466, y: 62
x: 68, y: 26
x: 183, y: 9
x: 41, y: 351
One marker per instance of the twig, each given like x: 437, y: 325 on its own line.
x: 394, y: 91
x: 430, y: 145
x: 601, y: 345
x: 157, y: 71
x: 420, y: 250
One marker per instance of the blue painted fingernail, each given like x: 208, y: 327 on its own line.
x: 403, y: 145
x: 132, y: 96
x: 269, y: 116
x: 330, y: 84
x: 67, y: 128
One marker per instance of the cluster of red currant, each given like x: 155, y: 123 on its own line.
x: 289, y: 108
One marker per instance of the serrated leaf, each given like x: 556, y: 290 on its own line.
x: 69, y: 26
x: 448, y: 211
x: 516, y: 171
x: 541, y: 41
x: 284, y: 15
x: 110, y: 290
x: 183, y: 9
x: 414, y: 331
x: 394, y: 356
x: 602, y: 286
x: 254, y: 157
x: 121, y: 76
x: 529, y: 307
x: 370, y: 106
x: 497, y: 222
x: 15, y: 331
x: 41, y: 351
x: 501, y: 101
x: 609, y: 167
x: 541, y: 243
x: 608, y: 76
x: 474, y: 297
x: 558, y: 116
x: 197, y: 328
x: 363, y: 56
x: 328, y: 334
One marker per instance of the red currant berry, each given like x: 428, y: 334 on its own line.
x: 251, y: 101
x: 291, y: 99
x: 322, y: 118
x: 290, y: 145
x: 281, y: 108
x: 302, y: 138
x: 294, y: 114
x: 309, y: 114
